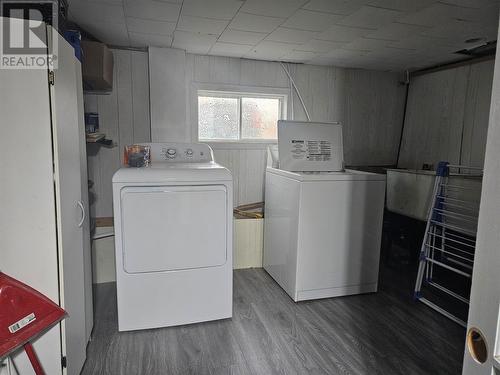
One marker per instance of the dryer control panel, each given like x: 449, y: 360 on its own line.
x: 181, y: 152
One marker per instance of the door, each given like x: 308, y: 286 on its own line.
x: 171, y: 228
x: 69, y: 206
x: 482, y: 352
x: 87, y: 259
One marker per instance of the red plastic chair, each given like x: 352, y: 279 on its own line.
x: 24, y: 315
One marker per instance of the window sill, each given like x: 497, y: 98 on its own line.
x: 240, y: 145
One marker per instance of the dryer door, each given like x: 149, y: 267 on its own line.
x: 170, y: 228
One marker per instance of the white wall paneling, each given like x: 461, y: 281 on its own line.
x: 476, y: 114
x: 447, y: 116
x: 168, y: 95
x: 124, y: 117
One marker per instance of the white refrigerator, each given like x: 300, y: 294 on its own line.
x: 44, y: 223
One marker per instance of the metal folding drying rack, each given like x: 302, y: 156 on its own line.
x: 450, y: 236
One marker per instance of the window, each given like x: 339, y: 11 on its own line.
x: 229, y: 116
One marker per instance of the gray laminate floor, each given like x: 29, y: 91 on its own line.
x: 383, y: 333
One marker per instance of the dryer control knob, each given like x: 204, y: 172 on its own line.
x: 171, y: 152
x: 189, y: 152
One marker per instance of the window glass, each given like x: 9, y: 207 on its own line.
x: 218, y: 118
x: 237, y: 116
x: 259, y: 118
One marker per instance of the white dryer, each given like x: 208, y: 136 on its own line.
x: 173, y: 239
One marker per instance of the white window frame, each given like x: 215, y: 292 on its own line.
x: 239, y: 92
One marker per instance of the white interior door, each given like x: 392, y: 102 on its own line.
x: 482, y: 352
x: 70, y: 208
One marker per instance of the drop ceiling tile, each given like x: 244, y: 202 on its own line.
x: 403, y: 5
x: 284, y: 35
x: 393, y: 54
x: 470, y: 3
x: 241, y: 37
x: 320, y: 46
x: 153, y: 10
x: 424, y: 43
x: 229, y: 49
x: 439, y: 13
x: 270, y: 50
x: 366, y: 44
x: 342, y: 53
x: 396, y: 31
x: 145, y: 40
x: 217, y: 9
x: 251, y: 22
x: 338, y: 33
x: 344, y: 7
x: 201, y: 25
x: 371, y: 17
x: 90, y: 12
x: 274, y: 8
x: 193, y: 42
x: 458, y: 32
x: 311, y: 20
x: 139, y: 25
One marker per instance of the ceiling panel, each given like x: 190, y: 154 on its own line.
x: 201, y: 25
x: 403, y: 5
x: 274, y: 8
x: 229, y: 49
x: 396, y: 31
x: 284, y: 35
x: 320, y: 46
x: 343, y: 7
x: 94, y: 13
x: 153, y: 10
x: 197, y: 43
x: 440, y: 13
x: 241, y: 37
x: 367, y: 44
x: 371, y: 17
x: 251, y: 22
x: 145, y: 39
x: 140, y: 25
x: 269, y: 48
x: 406, y: 34
x: 339, y: 33
x: 312, y: 21
x: 217, y: 9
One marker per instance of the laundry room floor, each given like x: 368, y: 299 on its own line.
x: 381, y: 333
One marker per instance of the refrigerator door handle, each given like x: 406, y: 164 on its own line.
x: 82, y: 208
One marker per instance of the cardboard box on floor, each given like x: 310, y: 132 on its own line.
x: 97, y: 66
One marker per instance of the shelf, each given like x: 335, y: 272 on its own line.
x: 99, y: 139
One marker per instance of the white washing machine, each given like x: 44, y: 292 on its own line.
x: 322, y: 230
x: 173, y: 239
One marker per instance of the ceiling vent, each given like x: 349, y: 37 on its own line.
x: 486, y: 49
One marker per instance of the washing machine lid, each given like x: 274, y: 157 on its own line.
x: 173, y: 172
x: 346, y: 175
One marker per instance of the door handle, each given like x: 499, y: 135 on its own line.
x: 82, y: 208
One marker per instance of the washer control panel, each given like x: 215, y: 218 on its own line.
x: 181, y: 152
